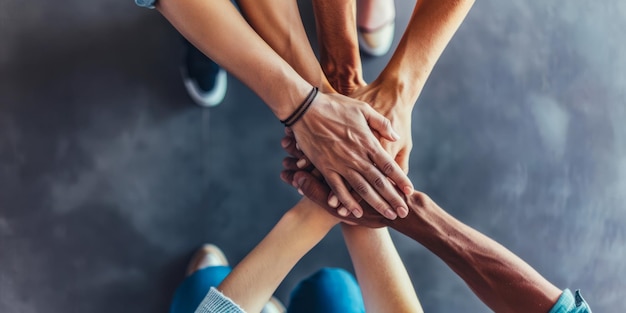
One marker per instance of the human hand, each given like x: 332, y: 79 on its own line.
x: 310, y: 183
x: 387, y: 100
x: 336, y: 137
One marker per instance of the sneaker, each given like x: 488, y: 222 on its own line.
x: 205, y: 80
x: 376, y: 26
x: 207, y: 255
x: 210, y: 255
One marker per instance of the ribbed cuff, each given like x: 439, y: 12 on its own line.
x: 216, y: 302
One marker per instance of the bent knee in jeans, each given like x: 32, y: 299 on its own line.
x: 328, y: 290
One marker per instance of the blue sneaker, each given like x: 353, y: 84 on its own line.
x: 205, y: 80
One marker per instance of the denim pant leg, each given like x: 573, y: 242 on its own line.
x: 329, y: 290
x: 194, y: 288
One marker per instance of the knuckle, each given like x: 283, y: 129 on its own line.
x: 387, y: 168
x: 380, y: 207
x: 379, y: 182
x: 421, y: 199
x: 361, y: 188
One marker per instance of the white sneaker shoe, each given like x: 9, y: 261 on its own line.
x: 207, y: 255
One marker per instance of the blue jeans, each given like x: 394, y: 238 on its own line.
x: 329, y: 290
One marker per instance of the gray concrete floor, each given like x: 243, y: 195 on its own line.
x: 110, y: 176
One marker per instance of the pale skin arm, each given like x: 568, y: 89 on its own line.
x: 253, y: 281
x: 384, y: 281
x: 279, y: 23
x: 218, y: 30
x: 336, y: 132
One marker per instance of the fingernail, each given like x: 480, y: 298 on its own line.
x: 403, y: 212
x: 342, y: 211
x: 294, y: 183
x: 297, y: 146
x: 333, y: 201
x: 300, y: 192
x: 390, y: 215
x: 357, y: 213
x: 300, y: 182
x: 285, y: 142
x: 407, y: 190
x: 301, y: 163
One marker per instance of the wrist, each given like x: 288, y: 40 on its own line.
x: 308, y: 215
x: 426, y: 221
x: 291, y: 98
x: 343, y: 71
x: 406, y: 88
x: 345, y: 80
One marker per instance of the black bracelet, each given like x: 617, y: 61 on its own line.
x: 299, y: 112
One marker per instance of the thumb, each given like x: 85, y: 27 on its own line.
x: 380, y: 124
x: 403, y: 160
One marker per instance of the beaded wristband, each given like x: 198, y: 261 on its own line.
x: 299, y: 112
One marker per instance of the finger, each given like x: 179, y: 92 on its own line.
x: 391, y: 169
x: 289, y: 132
x: 303, y: 163
x: 290, y: 164
x: 364, y: 189
x: 287, y: 177
x: 385, y: 188
x: 316, y: 173
x: 289, y: 145
x: 339, y: 188
x: 312, y: 188
x: 380, y: 124
x: 333, y: 201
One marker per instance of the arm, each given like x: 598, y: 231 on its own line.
x: 397, y: 88
x: 336, y: 132
x: 279, y: 23
x: 339, y: 49
x: 253, y: 281
x: 431, y: 27
x: 384, y: 282
x: 211, y: 26
x: 502, y: 280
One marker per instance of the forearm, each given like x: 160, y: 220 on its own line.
x: 339, y: 46
x: 430, y: 28
x: 220, y: 32
x: 503, y: 281
x: 253, y: 281
x: 384, y: 281
x: 279, y: 23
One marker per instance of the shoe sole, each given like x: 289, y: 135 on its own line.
x: 198, y: 258
x: 211, y: 98
x: 382, y: 49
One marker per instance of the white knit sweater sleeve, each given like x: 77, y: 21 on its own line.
x: 216, y: 302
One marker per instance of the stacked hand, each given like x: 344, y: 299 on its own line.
x: 311, y: 183
x: 386, y: 101
x: 337, y: 135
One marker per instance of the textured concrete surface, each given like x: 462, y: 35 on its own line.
x: 110, y: 177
